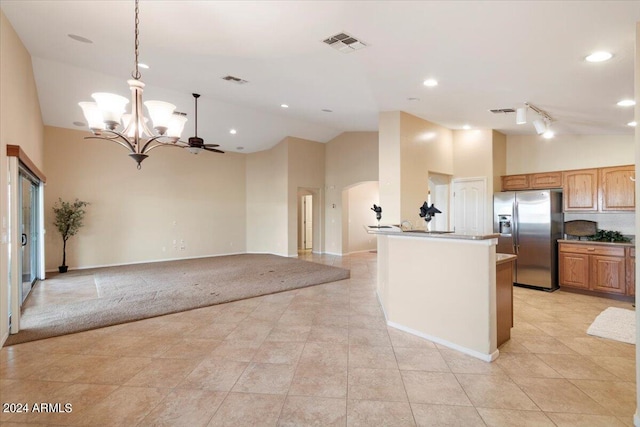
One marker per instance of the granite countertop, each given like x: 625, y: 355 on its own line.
x: 502, y: 258
x: 592, y: 242
x: 396, y: 231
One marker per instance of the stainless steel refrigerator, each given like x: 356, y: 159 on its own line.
x: 530, y: 224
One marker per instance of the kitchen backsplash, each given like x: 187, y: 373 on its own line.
x: 625, y: 223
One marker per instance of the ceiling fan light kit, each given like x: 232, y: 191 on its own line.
x: 106, y: 119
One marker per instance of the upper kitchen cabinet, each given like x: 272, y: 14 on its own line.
x: 532, y: 181
x: 580, y: 190
x: 515, y: 182
x: 617, y: 189
x: 546, y: 180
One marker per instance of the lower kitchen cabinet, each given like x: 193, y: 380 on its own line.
x: 607, y: 274
x: 598, y: 267
x: 574, y: 270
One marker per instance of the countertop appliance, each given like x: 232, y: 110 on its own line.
x: 530, y: 224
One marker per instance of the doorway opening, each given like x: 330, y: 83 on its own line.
x: 305, y: 234
x: 357, y: 201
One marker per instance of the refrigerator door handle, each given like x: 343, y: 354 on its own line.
x: 514, y: 215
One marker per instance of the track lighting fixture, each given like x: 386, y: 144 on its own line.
x: 543, y: 123
x: 521, y: 115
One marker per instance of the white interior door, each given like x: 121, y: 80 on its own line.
x: 469, y: 205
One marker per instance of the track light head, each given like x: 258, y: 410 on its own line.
x: 521, y: 115
x: 540, y: 125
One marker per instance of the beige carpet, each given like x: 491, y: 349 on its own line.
x: 135, y: 292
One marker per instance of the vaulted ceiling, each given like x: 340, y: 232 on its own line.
x: 484, y: 54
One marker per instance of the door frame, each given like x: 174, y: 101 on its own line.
x: 17, y: 158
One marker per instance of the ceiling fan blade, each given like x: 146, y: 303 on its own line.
x: 213, y: 149
x: 211, y: 145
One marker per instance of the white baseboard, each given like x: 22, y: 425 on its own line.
x: 362, y: 251
x: 482, y: 356
x: 332, y: 253
x: 147, y: 262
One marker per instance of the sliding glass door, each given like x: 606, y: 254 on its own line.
x: 29, y: 231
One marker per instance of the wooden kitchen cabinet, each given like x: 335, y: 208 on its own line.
x: 574, y: 270
x: 617, y: 190
x: 545, y: 180
x: 515, y: 182
x: 580, y: 190
x: 595, y: 267
x: 532, y: 181
x: 631, y: 270
x: 607, y: 274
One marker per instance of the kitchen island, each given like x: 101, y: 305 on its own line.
x: 441, y: 287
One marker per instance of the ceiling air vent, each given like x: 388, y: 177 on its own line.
x: 236, y: 80
x: 344, y: 43
x: 503, y: 110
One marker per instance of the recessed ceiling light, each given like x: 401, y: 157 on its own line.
x: 284, y: 105
x: 627, y: 103
x: 632, y: 124
x: 233, y: 131
x: 80, y: 124
x: 599, y: 56
x: 240, y: 148
x: 79, y: 38
x: 145, y: 66
x: 326, y: 110
x: 430, y: 82
x: 466, y: 127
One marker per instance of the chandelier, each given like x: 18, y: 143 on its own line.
x: 107, y: 120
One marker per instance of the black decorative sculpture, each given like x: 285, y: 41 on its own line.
x: 378, y: 211
x: 427, y: 212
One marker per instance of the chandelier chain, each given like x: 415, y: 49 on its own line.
x: 136, y: 74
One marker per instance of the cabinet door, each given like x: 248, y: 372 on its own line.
x: 574, y: 270
x: 580, y: 190
x: 617, y: 190
x: 607, y: 274
x: 546, y: 180
x: 631, y: 271
x: 515, y: 182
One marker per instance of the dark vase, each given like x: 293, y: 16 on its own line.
x: 63, y: 268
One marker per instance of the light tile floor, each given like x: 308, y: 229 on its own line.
x: 322, y: 356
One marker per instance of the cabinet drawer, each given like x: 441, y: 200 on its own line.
x: 592, y: 249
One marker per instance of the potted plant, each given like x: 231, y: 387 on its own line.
x: 68, y: 220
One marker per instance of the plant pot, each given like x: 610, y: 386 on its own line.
x: 62, y: 268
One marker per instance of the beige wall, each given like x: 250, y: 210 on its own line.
x: 532, y: 153
x: 389, y: 166
x: 499, y: 159
x: 274, y: 178
x: 306, y: 166
x: 360, y: 198
x: 179, y: 205
x: 350, y: 158
x: 473, y: 155
x: 410, y: 148
x: 267, y: 210
x: 20, y: 124
x: 425, y: 147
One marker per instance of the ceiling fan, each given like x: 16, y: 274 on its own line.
x: 196, y: 144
